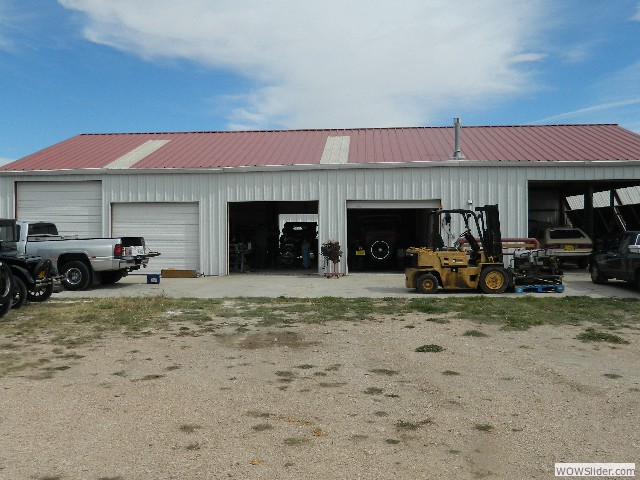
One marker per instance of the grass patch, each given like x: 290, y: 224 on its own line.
x: 485, y: 427
x: 64, y: 325
x: 430, y: 348
x: 294, y: 441
x: 405, y: 425
x: 592, y: 335
x: 261, y: 427
x: 450, y: 373
x: 374, y: 391
x: 474, y: 333
x: 189, y: 428
x: 152, y: 376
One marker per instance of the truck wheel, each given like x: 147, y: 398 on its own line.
x: 77, y: 275
x: 427, y: 283
x: 596, y: 275
x: 41, y: 293
x: 19, y: 293
x: 494, y: 280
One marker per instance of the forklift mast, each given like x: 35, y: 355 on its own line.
x: 490, y: 232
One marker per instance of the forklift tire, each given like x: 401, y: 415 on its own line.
x: 427, y: 283
x: 494, y: 280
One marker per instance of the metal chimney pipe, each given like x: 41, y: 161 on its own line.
x: 457, y: 153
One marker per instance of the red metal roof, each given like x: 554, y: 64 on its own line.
x: 369, y: 145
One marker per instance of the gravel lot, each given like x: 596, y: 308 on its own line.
x: 340, y: 400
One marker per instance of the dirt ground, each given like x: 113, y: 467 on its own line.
x: 336, y: 401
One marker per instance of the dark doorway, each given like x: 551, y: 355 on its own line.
x: 256, y: 239
x: 378, y: 238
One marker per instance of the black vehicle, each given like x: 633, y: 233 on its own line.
x: 293, y: 236
x: 619, y: 259
x: 32, y: 276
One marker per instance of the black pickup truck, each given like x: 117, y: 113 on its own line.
x: 620, y: 259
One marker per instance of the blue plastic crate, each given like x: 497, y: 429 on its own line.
x: 153, y: 278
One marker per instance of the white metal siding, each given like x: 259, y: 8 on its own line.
x: 169, y: 228
x: 332, y: 186
x: 75, y: 207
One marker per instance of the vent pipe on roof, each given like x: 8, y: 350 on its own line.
x: 457, y: 153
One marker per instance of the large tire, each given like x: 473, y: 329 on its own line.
x: 110, y: 277
x: 19, y: 293
x: 6, y: 283
x: 494, y: 280
x: 380, y: 250
x: 427, y: 283
x: 41, y: 293
x: 6, y: 288
x: 596, y: 275
x: 77, y: 275
x: 4, y: 308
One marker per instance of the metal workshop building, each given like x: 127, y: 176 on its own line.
x: 196, y: 196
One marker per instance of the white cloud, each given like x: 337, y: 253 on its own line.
x: 636, y: 16
x: 335, y: 63
x: 4, y: 161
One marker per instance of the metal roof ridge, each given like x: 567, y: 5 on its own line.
x: 420, y: 127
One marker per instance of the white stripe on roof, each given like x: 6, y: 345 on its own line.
x: 336, y: 150
x: 129, y: 159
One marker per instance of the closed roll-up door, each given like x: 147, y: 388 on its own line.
x: 169, y: 228
x: 75, y: 207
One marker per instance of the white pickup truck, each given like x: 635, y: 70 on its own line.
x: 83, y: 261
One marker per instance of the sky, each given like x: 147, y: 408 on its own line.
x: 107, y: 66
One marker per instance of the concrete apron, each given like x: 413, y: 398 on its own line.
x: 374, y: 285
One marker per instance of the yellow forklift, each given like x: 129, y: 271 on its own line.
x: 455, y: 268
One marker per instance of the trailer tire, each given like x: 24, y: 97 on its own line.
x: 77, y: 275
x: 6, y: 288
x: 19, y: 293
x: 40, y: 294
x: 494, y: 280
x: 427, y: 283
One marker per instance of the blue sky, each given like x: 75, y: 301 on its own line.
x: 97, y: 66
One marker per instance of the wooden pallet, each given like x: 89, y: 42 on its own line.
x: 539, y: 288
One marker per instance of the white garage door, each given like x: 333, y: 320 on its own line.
x: 169, y: 228
x: 75, y: 207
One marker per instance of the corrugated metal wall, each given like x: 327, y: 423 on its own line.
x: 331, y: 186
